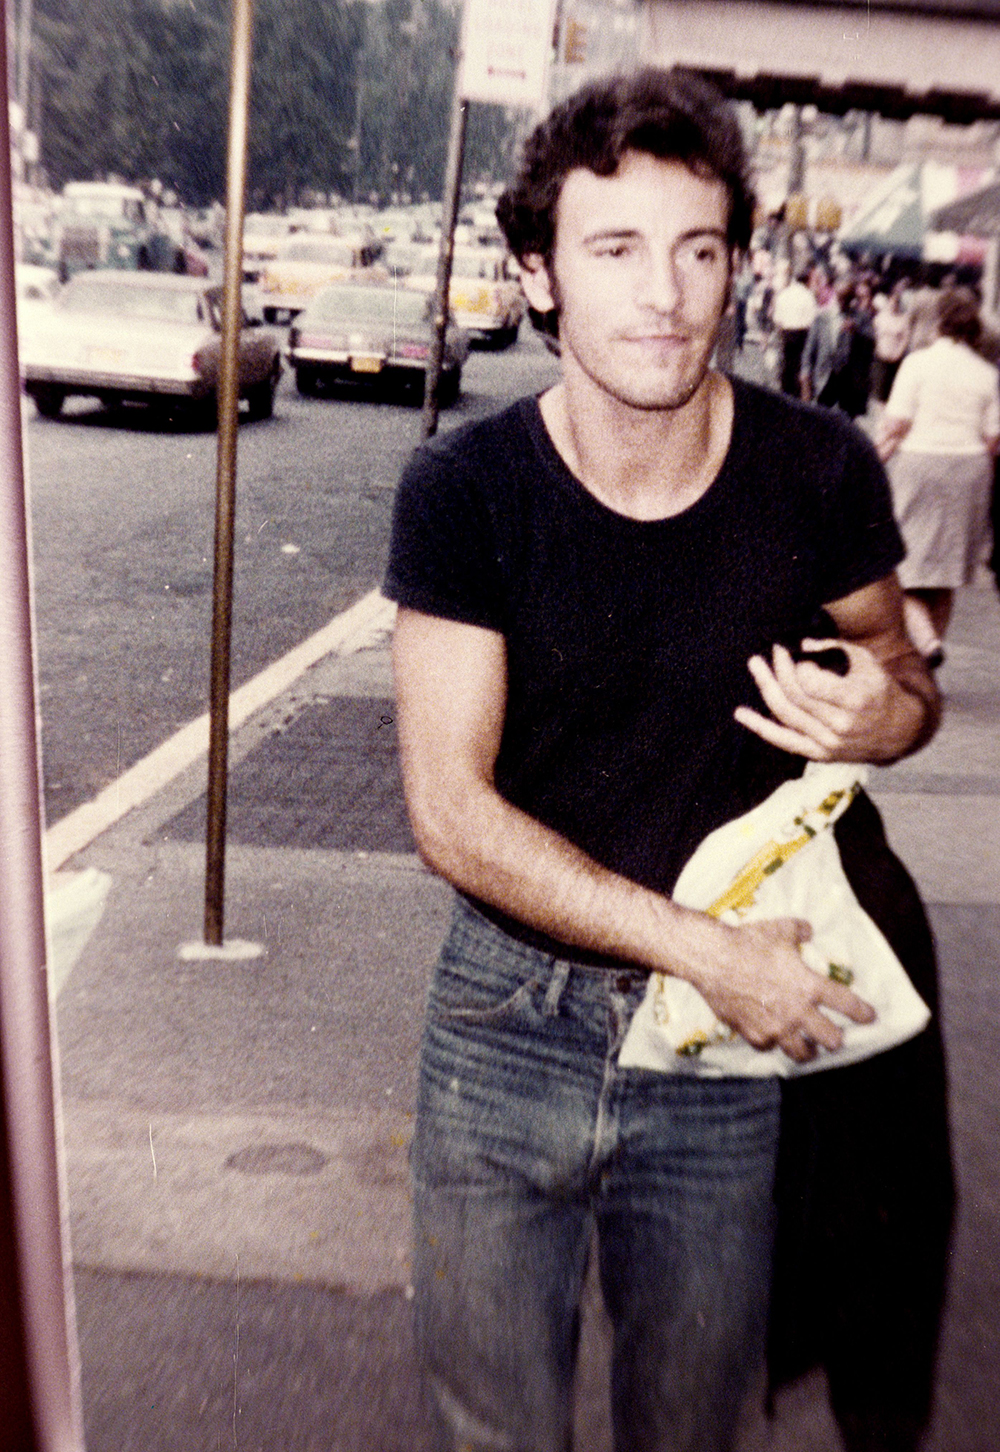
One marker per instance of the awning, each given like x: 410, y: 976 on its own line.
x: 976, y: 215
x: 900, y: 211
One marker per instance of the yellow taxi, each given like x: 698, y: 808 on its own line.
x: 485, y: 295
x: 309, y: 262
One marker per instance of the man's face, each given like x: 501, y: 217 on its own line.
x: 640, y: 277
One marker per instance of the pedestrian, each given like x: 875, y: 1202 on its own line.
x: 596, y: 591
x: 922, y: 303
x: 892, y: 325
x: 821, y: 347
x: 844, y: 370
x: 939, y: 435
x: 793, y: 313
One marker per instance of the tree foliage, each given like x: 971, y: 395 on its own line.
x: 348, y: 96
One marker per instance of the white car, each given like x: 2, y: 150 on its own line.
x: 35, y: 290
x: 142, y: 337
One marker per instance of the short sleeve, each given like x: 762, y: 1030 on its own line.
x: 862, y: 539
x: 902, y: 400
x: 443, y: 555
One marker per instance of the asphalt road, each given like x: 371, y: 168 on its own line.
x: 122, y: 512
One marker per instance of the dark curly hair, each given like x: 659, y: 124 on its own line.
x: 674, y: 115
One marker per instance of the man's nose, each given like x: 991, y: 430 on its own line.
x: 661, y: 283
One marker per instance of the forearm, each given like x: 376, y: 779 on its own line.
x: 753, y: 975
x: 916, y: 712
x: 891, y: 434
x: 499, y: 854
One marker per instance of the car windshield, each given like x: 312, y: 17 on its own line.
x: 310, y: 249
x: 370, y: 305
x: 116, y: 299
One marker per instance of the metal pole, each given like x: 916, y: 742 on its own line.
x: 39, y: 1383
x: 225, y: 496
x: 452, y: 190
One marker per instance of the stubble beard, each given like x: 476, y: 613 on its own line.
x: 618, y: 388
x: 656, y: 397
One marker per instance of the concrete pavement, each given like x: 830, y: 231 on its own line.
x: 236, y: 1132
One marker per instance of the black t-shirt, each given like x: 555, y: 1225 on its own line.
x: 627, y: 641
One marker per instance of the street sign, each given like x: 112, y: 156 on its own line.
x: 505, y: 59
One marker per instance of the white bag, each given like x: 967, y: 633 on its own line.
x: 780, y: 860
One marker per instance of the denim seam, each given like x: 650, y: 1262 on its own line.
x: 557, y: 987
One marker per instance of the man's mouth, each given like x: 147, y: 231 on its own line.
x: 658, y: 340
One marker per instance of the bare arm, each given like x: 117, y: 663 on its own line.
x: 451, y: 683
x: 892, y: 431
x: 885, y: 707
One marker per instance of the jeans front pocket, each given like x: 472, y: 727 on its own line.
x: 484, y: 976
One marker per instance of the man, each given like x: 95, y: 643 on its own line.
x: 598, y: 591
x: 794, y: 311
x: 820, y: 349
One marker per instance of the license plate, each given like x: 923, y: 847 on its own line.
x: 366, y: 363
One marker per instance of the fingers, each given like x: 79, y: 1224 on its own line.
x: 799, y: 696
x: 798, y: 1047
x: 843, y: 1000
x: 796, y: 742
x: 814, y: 712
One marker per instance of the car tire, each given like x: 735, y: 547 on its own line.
x: 260, y: 398
x: 307, y: 382
x: 270, y: 315
x: 49, y: 400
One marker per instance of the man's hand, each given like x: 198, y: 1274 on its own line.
x: 865, y: 715
x: 764, y: 990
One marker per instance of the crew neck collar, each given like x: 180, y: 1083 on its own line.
x: 569, y: 482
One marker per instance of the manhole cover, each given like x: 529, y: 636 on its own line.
x: 277, y: 1159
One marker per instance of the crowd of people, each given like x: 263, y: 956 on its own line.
x: 917, y: 364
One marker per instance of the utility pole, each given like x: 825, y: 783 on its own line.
x: 225, y: 497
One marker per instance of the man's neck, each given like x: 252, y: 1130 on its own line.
x: 644, y: 463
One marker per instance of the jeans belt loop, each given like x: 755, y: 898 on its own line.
x: 557, y: 984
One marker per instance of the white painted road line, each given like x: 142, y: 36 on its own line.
x: 353, y: 630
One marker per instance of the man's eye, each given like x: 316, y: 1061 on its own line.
x: 613, y: 249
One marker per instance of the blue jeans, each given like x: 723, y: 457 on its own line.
x: 529, y: 1137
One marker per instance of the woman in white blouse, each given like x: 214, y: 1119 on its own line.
x: 939, y: 432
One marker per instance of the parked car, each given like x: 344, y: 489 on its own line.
x: 487, y: 300
x: 264, y: 234
x: 35, y: 290
x: 142, y: 337
x: 308, y: 262
x: 376, y: 334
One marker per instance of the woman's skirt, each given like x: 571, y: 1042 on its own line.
x: 942, y: 507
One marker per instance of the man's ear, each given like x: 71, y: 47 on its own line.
x: 536, y: 284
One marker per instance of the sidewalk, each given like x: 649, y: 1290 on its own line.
x: 236, y: 1131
